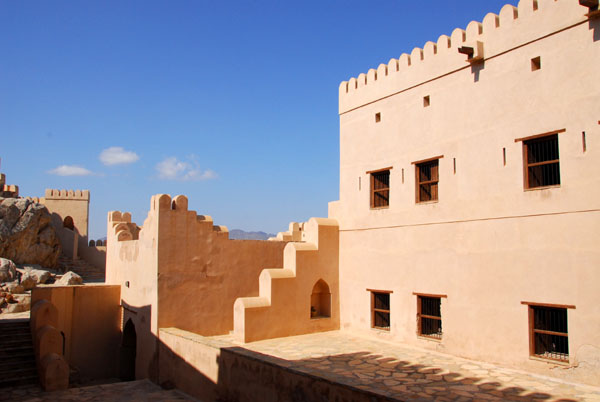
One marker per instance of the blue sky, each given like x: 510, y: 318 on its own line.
x: 233, y: 104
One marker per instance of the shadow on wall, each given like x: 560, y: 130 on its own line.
x: 594, y: 25
x: 138, y: 357
x: 243, y: 374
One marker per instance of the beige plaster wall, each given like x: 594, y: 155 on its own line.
x: 89, y: 316
x: 95, y: 255
x: 131, y: 262
x: 179, y: 270
x: 202, y: 272
x: 283, y: 306
x: 69, y: 203
x: 487, y: 243
x: 189, y: 363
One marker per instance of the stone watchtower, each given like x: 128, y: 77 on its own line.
x: 70, y: 210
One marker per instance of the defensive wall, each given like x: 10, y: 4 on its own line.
x: 76, y: 330
x: 487, y: 247
x: 70, y: 219
x: 7, y: 190
x: 180, y: 270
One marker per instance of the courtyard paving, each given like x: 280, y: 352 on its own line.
x: 402, y: 372
x: 137, y: 391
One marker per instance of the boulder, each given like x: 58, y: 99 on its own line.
x: 8, y: 270
x: 14, y: 288
x: 68, y: 279
x: 40, y: 274
x: 26, y: 235
x: 16, y: 308
x: 28, y: 281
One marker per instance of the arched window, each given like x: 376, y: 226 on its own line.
x: 68, y: 223
x: 320, y: 300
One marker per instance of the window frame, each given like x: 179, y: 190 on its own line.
x: 532, y: 330
x: 374, y: 310
x: 420, y: 315
x: 419, y: 183
x: 373, y: 191
x: 526, y: 165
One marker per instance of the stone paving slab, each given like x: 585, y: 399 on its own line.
x: 136, y: 391
x: 403, y: 372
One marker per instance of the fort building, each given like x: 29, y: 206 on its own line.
x: 467, y: 224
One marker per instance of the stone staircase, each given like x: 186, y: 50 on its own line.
x: 88, y: 272
x: 307, y: 282
x: 17, y: 360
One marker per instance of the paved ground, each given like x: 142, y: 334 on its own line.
x: 408, y: 373
x: 137, y: 391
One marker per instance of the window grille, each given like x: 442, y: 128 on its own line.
x: 542, y: 162
x: 380, y: 310
x: 429, y: 316
x: 380, y: 189
x: 548, y: 333
x: 427, y: 180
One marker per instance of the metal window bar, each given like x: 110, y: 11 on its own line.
x: 427, y: 177
x: 380, y: 187
x: 381, y: 310
x: 543, y: 167
x: 550, y: 333
x: 430, y: 317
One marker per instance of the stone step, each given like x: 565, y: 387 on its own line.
x: 17, y: 363
x: 8, y: 340
x: 16, y: 351
x: 8, y: 332
x: 13, y: 341
x: 6, y: 324
x: 19, y: 377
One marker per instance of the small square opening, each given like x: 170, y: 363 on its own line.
x: 377, y: 117
x: 536, y: 63
x: 426, y: 101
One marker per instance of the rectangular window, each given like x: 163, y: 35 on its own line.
x: 541, y: 162
x: 429, y: 316
x: 380, y: 310
x: 380, y: 189
x: 548, y: 334
x: 427, y: 178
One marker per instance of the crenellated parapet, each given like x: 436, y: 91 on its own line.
x: 294, y: 233
x: 7, y: 191
x: 122, y: 227
x: 496, y: 34
x: 164, y: 204
x: 304, y: 293
x: 54, y: 194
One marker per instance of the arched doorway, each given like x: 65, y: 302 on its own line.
x: 320, y: 300
x: 68, y: 223
x: 128, y: 352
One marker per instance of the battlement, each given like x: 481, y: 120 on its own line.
x: 179, y: 204
x: 7, y: 190
x: 10, y: 188
x: 39, y: 200
x: 54, y: 194
x: 495, y: 35
x: 294, y: 233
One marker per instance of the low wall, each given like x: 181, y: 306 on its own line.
x: 209, y: 370
x: 90, y: 319
x: 95, y: 255
x: 69, y: 241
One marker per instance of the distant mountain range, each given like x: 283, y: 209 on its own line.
x: 239, y: 234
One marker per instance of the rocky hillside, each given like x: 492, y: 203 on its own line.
x: 26, y: 235
x: 239, y: 234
